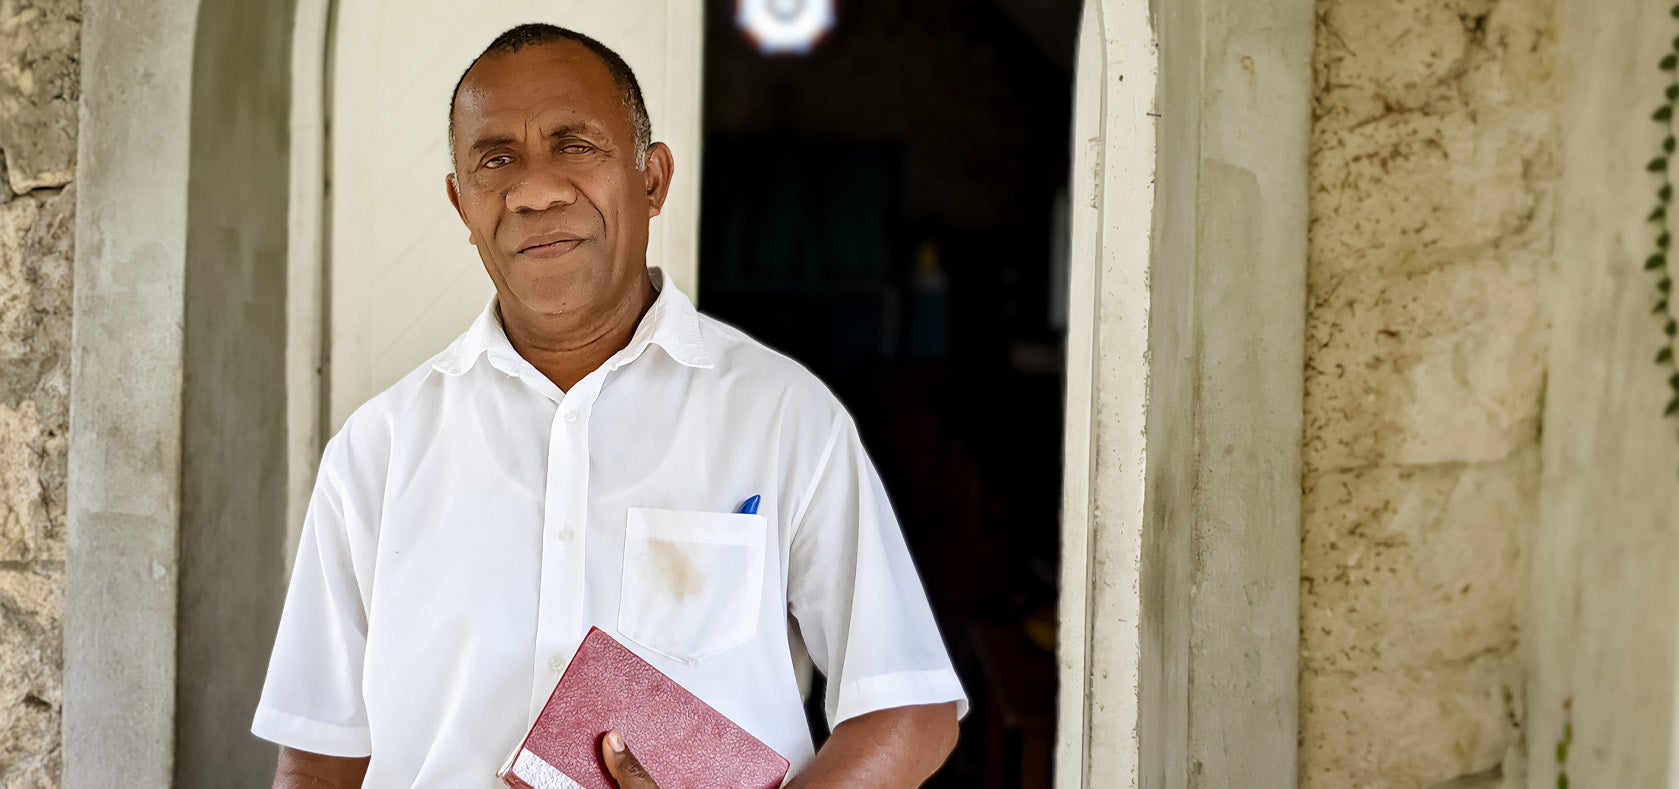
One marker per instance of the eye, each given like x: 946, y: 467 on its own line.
x: 497, y: 161
x: 576, y: 148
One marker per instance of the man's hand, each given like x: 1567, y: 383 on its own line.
x: 622, y: 764
x: 898, y: 747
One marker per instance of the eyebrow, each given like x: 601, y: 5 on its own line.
x: 486, y: 143
x: 567, y: 130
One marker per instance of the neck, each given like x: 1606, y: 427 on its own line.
x: 565, y: 348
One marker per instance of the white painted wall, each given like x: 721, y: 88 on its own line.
x: 1603, y: 640
x: 402, y: 280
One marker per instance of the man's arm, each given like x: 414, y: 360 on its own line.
x: 305, y: 770
x: 898, y: 747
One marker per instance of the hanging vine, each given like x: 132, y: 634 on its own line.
x: 1657, y: 263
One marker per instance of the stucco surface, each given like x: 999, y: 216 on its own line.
x: 1433, y: 168
x: 1604, y: 646
x: 38, y: 93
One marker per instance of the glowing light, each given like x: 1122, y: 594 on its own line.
x: 792, y: 26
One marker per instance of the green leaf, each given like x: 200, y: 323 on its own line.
x: 1663, y: 240
x: 1675, y: 11
x: 1673, y: 93
x: 1664, y: 355
x: 1664, y: 285
x: 1665, y: 193
x: 1562, y: 780
x: 1672, y: 328
x: 1659, y: 214
x: 1669, y: 63
x: 1662, y: 113
x: 1672, y: 408
x: 1655, y: 262
x: 1661, y: 307
x: 1562, y: 751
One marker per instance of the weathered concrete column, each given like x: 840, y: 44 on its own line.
x: 125, y: 396
x: 1603, y: 634
x: 1180, y: 599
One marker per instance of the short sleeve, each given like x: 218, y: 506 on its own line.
x: 858, y: 600
x: 312, y: 699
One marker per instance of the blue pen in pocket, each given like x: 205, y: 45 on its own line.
x: 749, y: 507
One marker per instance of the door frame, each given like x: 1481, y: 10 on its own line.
x: 1179, y: 618
x: 1179, y: 610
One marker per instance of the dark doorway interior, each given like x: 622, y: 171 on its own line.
x: 890, y: 210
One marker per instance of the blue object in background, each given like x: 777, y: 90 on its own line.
x: 749, y: 507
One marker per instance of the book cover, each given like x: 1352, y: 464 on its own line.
x: 681, y: 740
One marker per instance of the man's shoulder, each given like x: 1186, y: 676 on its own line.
x: 373, y: 424
x: 755, y: 368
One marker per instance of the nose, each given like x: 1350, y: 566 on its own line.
x: 540, y: 189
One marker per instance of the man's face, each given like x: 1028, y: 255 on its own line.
x: 546, y: 181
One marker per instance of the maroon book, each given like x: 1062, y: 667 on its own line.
x: 680, y: 739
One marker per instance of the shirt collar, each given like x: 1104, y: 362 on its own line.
x: 671, y: 323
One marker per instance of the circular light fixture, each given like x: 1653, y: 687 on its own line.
x: 792, y: 26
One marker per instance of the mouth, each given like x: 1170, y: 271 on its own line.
x: 550, y: 246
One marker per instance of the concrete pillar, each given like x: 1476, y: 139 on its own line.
x: 177, y: 458
x: 233, y: 426
x: 1179, y: 627
x: 125, y: 397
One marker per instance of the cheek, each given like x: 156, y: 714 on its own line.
x: 482, y: 213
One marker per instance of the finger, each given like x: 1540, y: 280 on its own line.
x: 622, y: 764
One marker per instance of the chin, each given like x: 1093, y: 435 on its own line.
x: 552, y: 289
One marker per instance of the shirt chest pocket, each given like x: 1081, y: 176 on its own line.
x: 693, y: 582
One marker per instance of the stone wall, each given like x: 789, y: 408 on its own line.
x: 39, y: 88
x: 1433, y: 167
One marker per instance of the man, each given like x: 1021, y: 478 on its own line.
x: 576, y: 458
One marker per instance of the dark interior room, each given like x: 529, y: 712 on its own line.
x: 888, y: 207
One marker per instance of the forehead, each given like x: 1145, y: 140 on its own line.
x: 558, y: 78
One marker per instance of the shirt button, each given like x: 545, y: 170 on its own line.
x: 565, y: 535
x: 558, y: 664
x: 571, y: 416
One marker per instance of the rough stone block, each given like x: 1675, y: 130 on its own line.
x: 1391, y: 54
x: 31, y: 687
x: 40, y: 85
x: 1415, y: 566
x: 1445, y: 366
x: 35, y: 262
x: 1410, y: 727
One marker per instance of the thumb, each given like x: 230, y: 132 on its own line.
x: 622, y: 765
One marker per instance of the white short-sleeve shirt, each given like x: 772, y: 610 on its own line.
x: 472, y: 522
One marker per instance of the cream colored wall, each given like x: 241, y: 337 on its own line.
x: 402, y: 280
x: 1605, y: 584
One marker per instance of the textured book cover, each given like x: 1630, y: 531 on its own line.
x: 680, y: 739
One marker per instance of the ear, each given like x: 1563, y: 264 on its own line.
x: 656, y: 176
x: 454, y: 194
x: 454, y: 190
